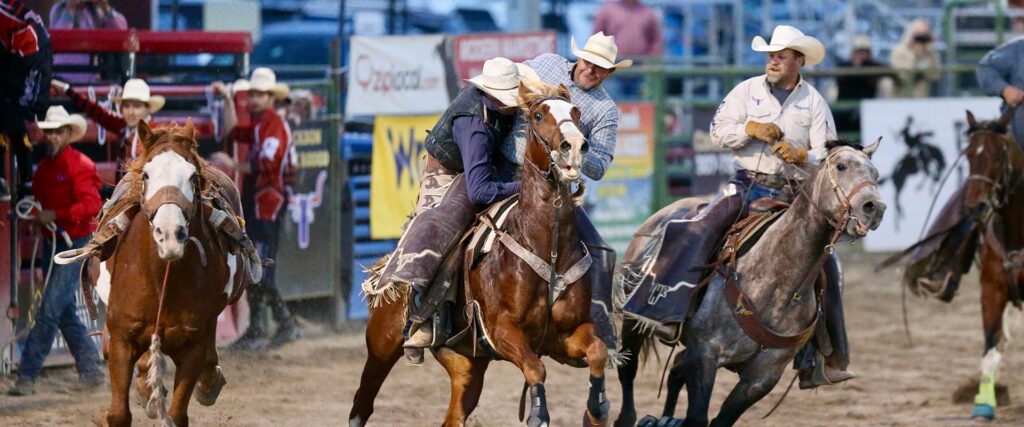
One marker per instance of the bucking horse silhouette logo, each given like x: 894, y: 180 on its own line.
x: 302, y: 207
x: 921, y: 157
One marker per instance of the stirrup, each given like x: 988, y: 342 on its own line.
x: 75, y: 256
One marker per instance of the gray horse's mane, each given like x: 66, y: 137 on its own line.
x: 844, y: 142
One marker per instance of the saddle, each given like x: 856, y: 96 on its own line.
x: 481, y: 237
x: 745, y: 232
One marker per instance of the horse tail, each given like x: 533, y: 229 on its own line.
x: 157, y: 405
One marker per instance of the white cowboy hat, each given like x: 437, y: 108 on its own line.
x: 787, y: 37
x: 862, y: 42
x: 263, y: 79
x: 527, y: 73
x: 500, y: 79
x: 600, y: 50
x: 57, y: 116
x: 138, y: 90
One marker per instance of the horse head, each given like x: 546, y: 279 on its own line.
x: 995, y: 163
x: 845, y: 188
x: 170, y: 169
x: 553, y: 123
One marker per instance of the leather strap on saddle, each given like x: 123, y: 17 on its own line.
x: 541, y: 267
x: 88, y: 286
x: 745, y: 313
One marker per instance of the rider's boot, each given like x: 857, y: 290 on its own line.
x: 832, y: 352
x: 417, y: 334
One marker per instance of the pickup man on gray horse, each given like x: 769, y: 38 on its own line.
x: 774, y: 124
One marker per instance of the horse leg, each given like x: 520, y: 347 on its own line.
x: 513, y: 345
x: 632, y: 341
x: 699, y: 369
x: 122, y: 357
x: 186, y: 373
x: 584, y: 343
x: 383, y: 349
x: 994, y: 296
x: 467, y: 378
x: 676, y: 381
x: 211, y: 380
x: 757, y: 379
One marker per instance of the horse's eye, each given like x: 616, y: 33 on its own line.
x: 585, y: 147
x: 537, y: 117
x: 840, y: 167
x: 145, y: 175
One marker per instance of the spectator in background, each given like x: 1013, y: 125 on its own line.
x: 86, y: 14
x: 916, y: 61
x: 637, y: 30
x: 856, y: 87
x: 1000, y: 73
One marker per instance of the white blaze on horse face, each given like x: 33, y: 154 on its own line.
x: 562, y: 110
x: 169, y: 225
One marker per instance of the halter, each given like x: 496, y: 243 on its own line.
x: 170, y: 195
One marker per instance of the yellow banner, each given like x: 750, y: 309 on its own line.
x: 398, y: 155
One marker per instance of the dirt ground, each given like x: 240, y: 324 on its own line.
x: 311, y: 382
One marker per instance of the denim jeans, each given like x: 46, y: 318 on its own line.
x: 58, y: 311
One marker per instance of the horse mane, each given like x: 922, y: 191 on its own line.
x: 989, y: 125
x: 844, y: 142
x: 541, y: 90
x: 166, y: 135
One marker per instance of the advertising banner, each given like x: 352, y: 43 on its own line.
x: 398, y: 153
x: 471, y: 50
x: 621, y: 201
x: 922, y: 139
x: 399, y: 75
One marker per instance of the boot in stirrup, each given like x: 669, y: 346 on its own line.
x: 820, y: 375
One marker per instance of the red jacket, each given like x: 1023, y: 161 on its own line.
x: 69, y: 185
x: 272, y: 156
x: 17, y: 34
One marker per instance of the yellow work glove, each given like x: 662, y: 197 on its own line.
x: 790, y: 153
x: 767, y: 132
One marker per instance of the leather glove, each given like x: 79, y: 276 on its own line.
x: 767, y: 132
x: 790, y: 153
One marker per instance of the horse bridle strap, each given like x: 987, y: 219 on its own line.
x: 168, y: 195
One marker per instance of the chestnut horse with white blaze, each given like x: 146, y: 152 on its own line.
x: 170, y: 276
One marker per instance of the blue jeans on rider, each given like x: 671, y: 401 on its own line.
x: 58, y: 311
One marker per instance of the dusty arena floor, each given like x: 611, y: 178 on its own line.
x: 311, y: 383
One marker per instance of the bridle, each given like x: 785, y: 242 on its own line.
x: 1002, y: 187
x: 545, y: 142
x: 846, y: 208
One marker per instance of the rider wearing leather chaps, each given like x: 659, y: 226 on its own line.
x: 936, y: 265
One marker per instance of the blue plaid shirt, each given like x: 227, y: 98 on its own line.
x: 599, y: 118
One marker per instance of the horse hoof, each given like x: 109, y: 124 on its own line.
x: 592, y: 421
x: 209, y: 396
x: 535, y: 421
x: 626, y: 420
x: 984, y: 412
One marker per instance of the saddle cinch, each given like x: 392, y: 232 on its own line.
x: 220, y: 204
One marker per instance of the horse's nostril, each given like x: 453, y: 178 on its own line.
x: 180, y: 234
x: 869, y: 207
x: 157, y: 230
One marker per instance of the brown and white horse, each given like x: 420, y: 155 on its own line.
x: 168, y: 279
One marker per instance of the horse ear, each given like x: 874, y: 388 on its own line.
x: 145, y: 135
x: 871, y: 149
x: 1007, y: 116
x: 525, y: 91
x: 563, y: 91
x: 190, y: 130
x: 972, y: 123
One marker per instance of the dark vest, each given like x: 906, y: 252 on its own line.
x: 440, y: 141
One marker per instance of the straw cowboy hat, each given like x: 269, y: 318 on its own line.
x: 600, y: 50
x: 57, y: 117
x: 787, y: 37
x: 263, y: 79
x: 138, y: 90
x: 500, y: 79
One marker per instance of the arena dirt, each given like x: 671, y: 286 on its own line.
x: 311, y: 382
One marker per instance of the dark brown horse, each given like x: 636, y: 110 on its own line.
x: 507, y: 299
x: 169, y: 277
x: 994, y: 200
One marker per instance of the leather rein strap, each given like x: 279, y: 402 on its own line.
x: 743, y: 308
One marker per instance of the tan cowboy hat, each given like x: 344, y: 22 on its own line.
x: 57, y: 117
x: 600, y: 50
x: 500, y: 79
x: 787, y: 37
x: 138, y: 90
x: 263, y: 79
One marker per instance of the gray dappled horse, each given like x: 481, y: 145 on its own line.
x: 839, y: 196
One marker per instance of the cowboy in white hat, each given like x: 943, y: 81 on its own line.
x: 135, y: 103
x: 595, y: 62
x: 770, y: 121
x: 458, y: 179
x: 67, y: 188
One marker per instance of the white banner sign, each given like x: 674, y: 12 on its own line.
x: 403, y: 75
x: 922, y: 139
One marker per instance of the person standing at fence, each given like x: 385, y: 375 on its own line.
x: 916, y: 61
x: 67, y: 190
x: 857, y: 87
x: 25, y: 66
x: 272, y: 162
x: 83, y: 15
x: 1000, y: 74
x: 637, y: 27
